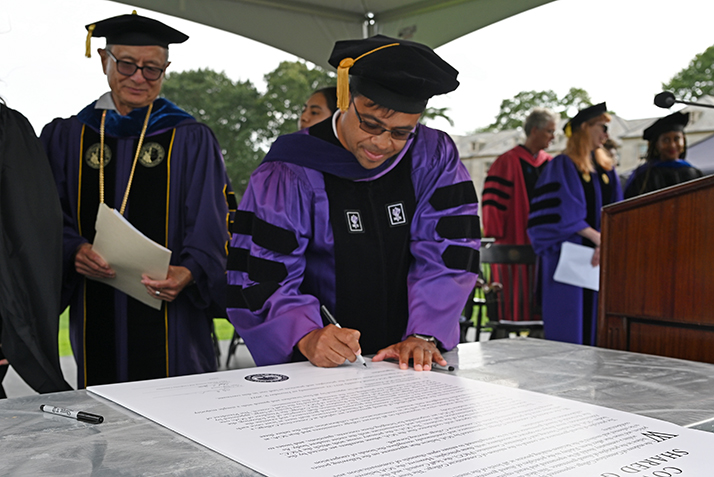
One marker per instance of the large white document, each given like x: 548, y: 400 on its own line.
x: 574, y: 267
x: 299, y: 420
x: 130, y: 254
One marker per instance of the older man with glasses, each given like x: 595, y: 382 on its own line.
x: 164, y: 172
x: 368, y: 216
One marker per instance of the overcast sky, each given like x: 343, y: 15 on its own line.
x: 620, y: 51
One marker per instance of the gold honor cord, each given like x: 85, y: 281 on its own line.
x: 133, y: 166
x: 101, y: 157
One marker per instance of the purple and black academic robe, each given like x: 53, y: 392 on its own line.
x: 504, y: 208
x: 30, y: 257
x: 391, y: 251
x: 563, y: 204
x: 657, y: 175
x: 179, y: 198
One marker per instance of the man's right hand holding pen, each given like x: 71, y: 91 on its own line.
x: 330, y: 346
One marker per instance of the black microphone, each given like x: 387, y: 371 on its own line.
x: 666, y: 99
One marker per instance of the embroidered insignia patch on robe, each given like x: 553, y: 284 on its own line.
x: 396, y: 214
x: 91, y: 156
x: 354, y: 222
x: 152, y: 154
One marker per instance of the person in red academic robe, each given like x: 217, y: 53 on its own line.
x: 506, y: 197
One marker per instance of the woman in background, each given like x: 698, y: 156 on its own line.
x: 320, y: 106
x: 565, y: 207
x: 665, y: 165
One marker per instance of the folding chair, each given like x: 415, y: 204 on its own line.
x: 511, y: 290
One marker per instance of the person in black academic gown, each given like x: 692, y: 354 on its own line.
x: 30, y: 258
x: 665, y: 165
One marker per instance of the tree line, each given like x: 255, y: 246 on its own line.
x: 246, y: 121
x: 690, y: 84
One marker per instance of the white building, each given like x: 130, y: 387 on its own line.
x: 478, y: 151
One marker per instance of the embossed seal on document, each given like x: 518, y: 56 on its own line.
x: 266, y: 378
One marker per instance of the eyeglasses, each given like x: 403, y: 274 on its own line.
x: 376, y: 129
x: 150, y: 73
x: 604, y: 128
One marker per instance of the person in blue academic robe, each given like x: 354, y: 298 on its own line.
x: 566, y: 205
x: 368, y: 214
x: 665, y: 165
x: 130, y: 147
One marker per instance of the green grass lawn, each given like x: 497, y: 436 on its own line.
x: 224, y: 331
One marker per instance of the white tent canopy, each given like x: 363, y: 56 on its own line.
x: 309, y: 28
x: 701, y: 155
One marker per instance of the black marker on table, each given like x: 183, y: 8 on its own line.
x: 326, y: 313
x: 438, y: 367
x: 79, y: 415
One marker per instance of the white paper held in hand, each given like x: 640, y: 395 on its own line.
x: 130, y: 254
x: 574, y: 267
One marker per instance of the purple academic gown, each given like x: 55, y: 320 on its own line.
x: 564, y: 203
x: 283, y: 259
x: 181, y: 171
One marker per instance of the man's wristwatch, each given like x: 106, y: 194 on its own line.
x: 424, y: 337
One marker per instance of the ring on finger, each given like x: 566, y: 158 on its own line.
x: 157, y: 292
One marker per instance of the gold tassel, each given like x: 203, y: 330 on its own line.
x: 568, y: 130
x: 88, y: 45
x: 343, y: 83
x: 343, y: 77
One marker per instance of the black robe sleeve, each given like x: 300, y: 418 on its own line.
x: 30, y: 256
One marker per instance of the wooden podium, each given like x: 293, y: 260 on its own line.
x: 657, y: 273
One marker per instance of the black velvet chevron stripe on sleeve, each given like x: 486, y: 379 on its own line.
x: 545, y: 189
x: 263, y: 270
x: 243, y: 222
x: 458, y: 257
x: 258, y: 269
x: 499, y: 180
x: 459, y: 227
x: 238, y: 259
x: 494, y: 191
x: 493, y: 203
x: 269, y: 236
x: 252, y: 298
x: 234, y: 297
x: 497, y: 192
x: 545, y: 204
x: 454, y: 195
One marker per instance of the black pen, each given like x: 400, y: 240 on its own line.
x: 332, y: 320
x: 79, y: 415
x: 438, y: 367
